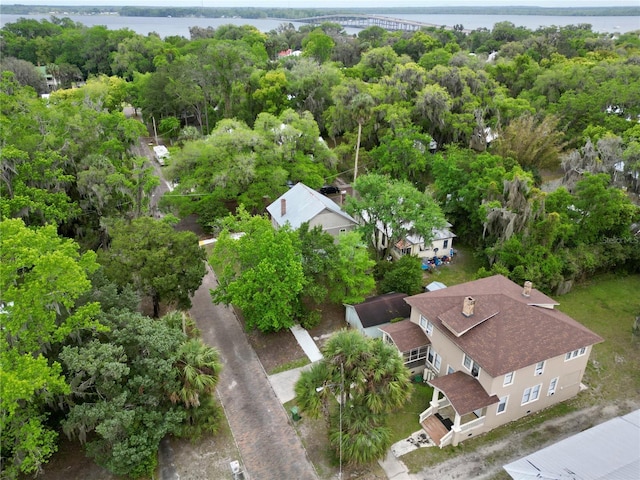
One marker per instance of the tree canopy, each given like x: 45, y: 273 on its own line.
x: 392, y: 209
x: 261, y: 272
x: 432, y: 124
x: 160, y: 262
x: 371, y: 381
x: 42, y: 278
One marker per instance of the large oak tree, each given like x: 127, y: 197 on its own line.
x: 159, y: 261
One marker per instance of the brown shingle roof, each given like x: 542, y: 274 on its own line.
x: 406, y: 335
x: 520, y: 334
x: 464, y: 392
x: 382, y: 309
x: 458, y: 323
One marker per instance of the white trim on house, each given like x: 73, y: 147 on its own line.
x: 508, y: 379
x: 503, y: 403
x: 531, y: 394
x: 553, y: 384
x: 473, y: 367
x: 574, y: 354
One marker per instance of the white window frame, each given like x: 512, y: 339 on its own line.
x: 429, y: 328
x: 426, y: 325
x: 553, y: 384
x: 471, y: 366
x: 464, y: 362
x: 450, y: 370
x: 508, y: 379
x: 539, y: 370
x: 531, y: 394
x: 415, y: 354
x: 503, y: 403
x: 575, y: 354
x: 435, y: 361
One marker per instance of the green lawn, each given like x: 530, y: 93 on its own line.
x: 608, y: 305
x: 462, y: 269
x: 405, y: 421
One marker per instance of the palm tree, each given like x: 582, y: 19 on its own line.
x: 199, y: 369
x: 371, y: 379
x: 312, y: 391
x: 365, y: 436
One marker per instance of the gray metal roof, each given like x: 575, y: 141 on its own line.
x: 607, y: 451
x: 433, y: 286
x: 302, y: 205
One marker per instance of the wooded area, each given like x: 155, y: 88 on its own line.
x: 469, y: 127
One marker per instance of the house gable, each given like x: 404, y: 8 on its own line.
x: 302, y: 204
x: 510, y: 331
x: 459, y: 322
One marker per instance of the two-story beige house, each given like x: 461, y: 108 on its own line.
x: 497, y: 352
x: 302, y: 204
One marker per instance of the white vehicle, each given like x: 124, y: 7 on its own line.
x: 161, y: 154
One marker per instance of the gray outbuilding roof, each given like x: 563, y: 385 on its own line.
x: 607, y: 451
x: 382, y: 309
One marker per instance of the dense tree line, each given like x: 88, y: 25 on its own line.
x: 428, y: 125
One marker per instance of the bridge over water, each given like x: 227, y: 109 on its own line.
x: 365, y: 21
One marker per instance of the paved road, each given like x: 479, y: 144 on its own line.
x: 269, y: 445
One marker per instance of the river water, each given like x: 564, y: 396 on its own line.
x: 168, y: 26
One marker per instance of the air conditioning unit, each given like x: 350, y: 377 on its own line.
x: 427, y: 375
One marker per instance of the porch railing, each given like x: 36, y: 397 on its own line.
x: 446, y: 440
x: 443, y: 402
x: 478, y: 422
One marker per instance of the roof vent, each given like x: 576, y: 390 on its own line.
x: 467, y: 307
x: 527, y: 289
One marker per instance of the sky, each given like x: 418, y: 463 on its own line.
x: 332, y: 3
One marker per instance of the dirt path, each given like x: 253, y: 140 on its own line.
x: 486, y: 462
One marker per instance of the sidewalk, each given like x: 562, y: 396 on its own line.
x: 394, y: 469
x: 283, y: 383
x: 306, y: 343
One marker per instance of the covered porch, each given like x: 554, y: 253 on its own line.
x: 457, y: 409
x: 411, y: 342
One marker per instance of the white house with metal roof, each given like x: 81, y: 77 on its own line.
x: 607, y: 451
x: 302, y: 204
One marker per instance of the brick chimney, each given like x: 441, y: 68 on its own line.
x: 283, y: 207
x: 467, y: 307
x: 527, y: 289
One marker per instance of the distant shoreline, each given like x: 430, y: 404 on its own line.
x: 294, y: 13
